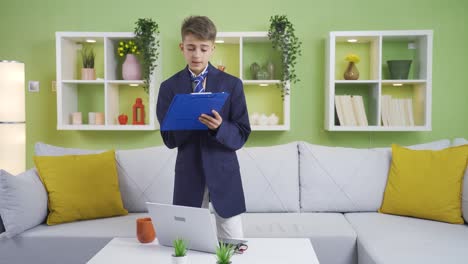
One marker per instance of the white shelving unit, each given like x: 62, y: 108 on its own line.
x: 105, y: 93
x: 374, y: 49
x: 237, y: 51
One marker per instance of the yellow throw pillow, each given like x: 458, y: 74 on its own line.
x: 426, y: 184
x: 80, y: 186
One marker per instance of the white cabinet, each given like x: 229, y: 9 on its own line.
x: 410, y: 98
x: 237, y: 51
x: 109, y: 93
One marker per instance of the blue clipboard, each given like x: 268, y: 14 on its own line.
x: 185, y: 109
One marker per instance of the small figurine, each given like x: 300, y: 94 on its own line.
x: 123, y: 119
x: 138, y: 112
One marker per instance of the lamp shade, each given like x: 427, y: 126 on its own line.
x: 12, y: 103
x: 13, y: 147
x: 12, y: 117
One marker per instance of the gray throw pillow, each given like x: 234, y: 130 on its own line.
x: 23, y: 202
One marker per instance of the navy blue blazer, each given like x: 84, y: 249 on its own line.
x: 208, y: 157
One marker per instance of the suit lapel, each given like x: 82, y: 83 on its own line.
x: 184, y: 85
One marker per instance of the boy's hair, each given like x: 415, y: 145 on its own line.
x: 200, y: 26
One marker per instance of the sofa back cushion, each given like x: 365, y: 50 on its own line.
x: 145, y: 174
x: 335, y: 179
x: 42, y: 149
x: 270, y: 178
x: 459, y: 142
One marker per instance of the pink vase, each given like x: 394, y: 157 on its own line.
x: 131, y: 69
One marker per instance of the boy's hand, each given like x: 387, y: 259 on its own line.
x: 211, y: 122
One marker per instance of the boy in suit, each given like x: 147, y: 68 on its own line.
x: 207, y: 167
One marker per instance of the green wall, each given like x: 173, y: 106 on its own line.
x: 28, y: 34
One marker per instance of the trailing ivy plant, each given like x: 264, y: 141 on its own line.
x: 145, y: 38
x: 281, y: 34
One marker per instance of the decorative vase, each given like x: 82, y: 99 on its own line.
x: 271, y: 70
x: 262, y: 74
x: 351, y: 73
x: 131, y: 69
x: 179, y: 260
x: 254, y: 68
x: 399, y: 69
x: 88, y: 74
x: 145, y: 230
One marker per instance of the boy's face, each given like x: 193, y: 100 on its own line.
x: 197, y: 53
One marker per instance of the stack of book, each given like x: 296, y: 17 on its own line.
x: 397, y: 112
x: 350, y: 110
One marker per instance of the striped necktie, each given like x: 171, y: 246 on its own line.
x: 198, y: 81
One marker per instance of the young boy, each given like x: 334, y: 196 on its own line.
x: 207, y: 167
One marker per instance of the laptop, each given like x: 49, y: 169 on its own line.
x: 194, y: 225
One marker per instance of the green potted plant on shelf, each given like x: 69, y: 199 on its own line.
x: 224, y: 253
x: 180, y: 252
x: 282, y: 36
x: 145, y: 38
x: 87, y: 56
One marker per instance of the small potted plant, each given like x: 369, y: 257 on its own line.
x: 87, y: 55
x: 224, y: 253
x: 131, y: 69
x: 180, y: 252
x: 351, y: 73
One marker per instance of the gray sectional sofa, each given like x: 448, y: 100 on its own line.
x: 327, y: 194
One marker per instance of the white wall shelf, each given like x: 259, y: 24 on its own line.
x: 108, y: 93
x: 375, y: 48
x: 237, y: 51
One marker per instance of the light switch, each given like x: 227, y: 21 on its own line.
x: 33, y: 86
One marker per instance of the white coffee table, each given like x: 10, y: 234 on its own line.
x: 261, y: 250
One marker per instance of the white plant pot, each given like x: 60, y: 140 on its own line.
x: 180, y: 260
x: 88, y: 74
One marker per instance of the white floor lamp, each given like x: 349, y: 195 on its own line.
x: 12, y: 117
